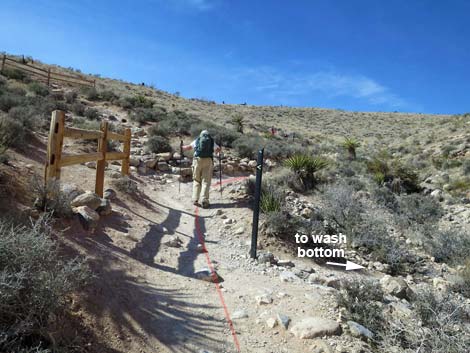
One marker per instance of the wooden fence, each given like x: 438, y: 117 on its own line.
x: 47, y: 76
x: 56, y: 160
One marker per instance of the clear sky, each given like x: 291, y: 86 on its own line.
x: 360, y: 55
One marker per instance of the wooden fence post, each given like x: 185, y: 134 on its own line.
x: 54, y: 145
x: 48, y: 76
x: 127, y: 151
x: 3, y: 62
x: 101, y: 165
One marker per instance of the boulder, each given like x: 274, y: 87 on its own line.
x: 163, y: 166
x: 207, y: 275
x: 165, y: 156
x: 71, y: 191
x: 357, y: 330
x: 271, y: 322
x: 287, y: 276
x: 264, y: 257
x: 105, y: 208
x: 88, y: 217
x: 109, y: 194
x: 395, y: 286
x: 173, y: 242
x: 312, y: 327
x: 134, y: 161
x: 151, y: 163
x: 239, y: 314
x: 88, y: 199
x: 283, y: 320
x: 264, y: 298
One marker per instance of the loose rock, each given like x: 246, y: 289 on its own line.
x: 312, y: 327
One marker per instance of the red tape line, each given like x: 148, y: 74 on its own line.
x: 215, y: 279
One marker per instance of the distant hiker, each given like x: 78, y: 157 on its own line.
x: 203, y: 166
x: 273, y: 131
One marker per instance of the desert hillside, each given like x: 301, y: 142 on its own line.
x: 141, y: 269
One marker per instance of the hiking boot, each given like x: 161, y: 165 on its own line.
x: 196, y: 203
x: 205, y: 204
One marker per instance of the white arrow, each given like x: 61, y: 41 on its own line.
x: 348, y: 265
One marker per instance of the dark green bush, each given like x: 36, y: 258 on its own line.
x: 12, y: 133
x: 8, y: 101
x: 108, y: 95
x: 158, y: 144
x: 145, y: 115
x: 247, y: 146
x: 92, y: 114
x: 15, y: 74
x: 35, y: 282
x: 421, y: 209
x: 90, y: 93
x: 394, y: 174
x: 78, y: 108
x: 136, y: 102
x: 39, y: 89
x: 27, y: 116
x: 362, y: 300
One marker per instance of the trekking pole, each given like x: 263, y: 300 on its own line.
x: 220, y: 166
x: 181, y: 162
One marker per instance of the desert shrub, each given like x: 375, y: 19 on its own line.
x: 144, y: 115
x: 8, y: 101
x: 78, y: 108
x: 26, y: 115
x: 279, y: 149
x: 306, y: 166
x: 90, y: 93
x: 174, y: 123
x: 459, y: 185
x: 135, y: 102
x: 362, y: 300
x: 282, y: 224
x: 35, y: 283
x: 442, y: 329
x: 385, y: 197
x: 417, y: 208
x: 71, y: 97
x: 15, y: 74
x: 50, y: 198
x: 464, y: 285
x: 86, y: 124
x: 393, y: 173
x: 39, y: 89
x: 92, y: 114
x: 12, y: 133
x: 449, y: 246
x: 247, y: 146
x: 158, y: 144
x: 126, y: 185
x: 108, y: 95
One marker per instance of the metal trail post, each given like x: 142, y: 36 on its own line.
x: 254, y: 232
x: 181, y: 162
x: 220, y: 166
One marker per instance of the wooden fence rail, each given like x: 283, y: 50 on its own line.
x: 46, y: 76
x: 56, y: 160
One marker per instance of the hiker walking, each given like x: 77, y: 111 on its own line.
x: 203, y: 166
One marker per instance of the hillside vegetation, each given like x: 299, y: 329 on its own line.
x: 396, y: 184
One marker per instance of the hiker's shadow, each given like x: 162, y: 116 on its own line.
x: 148, y: 247
x: 165, y: 314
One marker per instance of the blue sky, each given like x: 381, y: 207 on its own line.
x: 361, y: 55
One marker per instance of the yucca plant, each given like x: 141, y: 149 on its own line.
x: 305, y: 167
x: 351, y: 144
x: 239, y: 122
x: 270, y: 202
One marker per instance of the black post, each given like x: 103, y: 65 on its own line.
x: 254, y: 233
x: 181, y: 162
x: 220, y: 166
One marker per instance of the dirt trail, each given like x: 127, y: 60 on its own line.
x: 148, y: 299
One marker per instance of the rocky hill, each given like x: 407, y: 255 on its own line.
x: 134, y: 271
